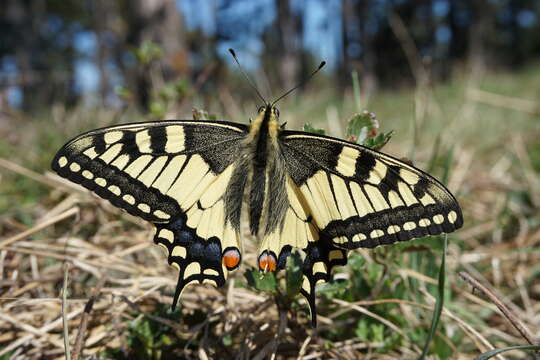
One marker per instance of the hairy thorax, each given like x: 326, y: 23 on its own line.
x: 263, y: 189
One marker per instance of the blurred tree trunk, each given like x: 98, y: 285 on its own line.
x: 290, y: 35
x: 482, y: 27
x: 102, y: 10
x: 358, y: 46
x: 458, y: 43
x: 24, y: 18
x: 347, y: 57
x: 368, y: 74
x: 158, y: 21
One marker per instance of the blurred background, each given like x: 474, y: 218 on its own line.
x: 85, y: 52
x: 458, y: 83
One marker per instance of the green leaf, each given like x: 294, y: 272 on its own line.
x: 362, y: 330
x: 439, y: 303
x: 363, y: 129
x: 310, y: 129
x: 360, y: 125
x: 261, y: 280
x: 377, y: 142
x: 491, y: 353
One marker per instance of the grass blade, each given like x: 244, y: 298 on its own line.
x: 491, y: 353
x: 439, y: 303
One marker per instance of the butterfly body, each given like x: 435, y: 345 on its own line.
x: 194, y: 180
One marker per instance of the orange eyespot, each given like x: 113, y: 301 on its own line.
x: 267, y: 262
x: 231, y: 258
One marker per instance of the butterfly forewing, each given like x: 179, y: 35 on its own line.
x: 362, y: 198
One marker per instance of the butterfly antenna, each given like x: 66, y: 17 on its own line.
x: 246, y: 76
x: 301, y: 83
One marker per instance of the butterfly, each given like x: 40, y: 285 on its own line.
x: 194, y: 179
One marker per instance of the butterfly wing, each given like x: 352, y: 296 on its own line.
x: 171, y: 173
x: 359, y: 197
x: 347, y: 196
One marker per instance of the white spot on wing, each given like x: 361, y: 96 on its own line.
x: 359, y: 237
x: 376, y: 233
x: 179, y: 251
x: 74, y: 167
x: 192, y: 269
x: 210, y: 272
x: 409, y: 225
x: 101, y: 181
x: 62, y: 161
x: 144, y: 207
x: 438, y: 219
x: 167, y: 235
x: 87, y: 174
x: 129, y: 199
x: 452, y: 216
x: 162, y: 215
x: 115, y: 190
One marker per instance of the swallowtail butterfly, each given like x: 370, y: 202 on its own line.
x: 193, y: 180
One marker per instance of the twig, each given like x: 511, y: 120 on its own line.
x: 43, y: 225
x: 79, y: 340
x: 16, y: 168
x: 363, y: 310
x: 502, y: 307
x: 67, y: 351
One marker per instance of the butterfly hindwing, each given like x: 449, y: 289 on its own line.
x: 172, y: 173
x: 321, y: 258
x: 198, y: 257
x: 362, y: 198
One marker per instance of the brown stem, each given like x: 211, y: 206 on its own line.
x: 502, y: 307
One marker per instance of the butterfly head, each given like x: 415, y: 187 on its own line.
x: 270, y: 111
x: 267, y: 117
